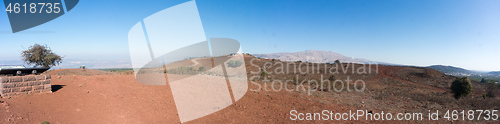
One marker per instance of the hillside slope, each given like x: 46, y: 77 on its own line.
x: 450, y: 69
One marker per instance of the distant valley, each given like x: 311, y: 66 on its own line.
x: 473, y: 75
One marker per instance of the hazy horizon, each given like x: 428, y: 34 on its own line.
x: 103, y: 64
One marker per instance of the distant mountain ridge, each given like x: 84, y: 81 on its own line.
x: 316, y: 56
x: 494, y: 72
x: 473, y: 75
x: 450, y: 69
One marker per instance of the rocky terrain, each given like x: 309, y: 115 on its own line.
x: 93, y: 96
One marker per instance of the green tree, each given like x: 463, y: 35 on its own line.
x: 461, y: 87
x: 483, y: 81
x: 40, y: 56
x: 337, y: 61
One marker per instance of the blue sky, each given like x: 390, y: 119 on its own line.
x: 463, y: 33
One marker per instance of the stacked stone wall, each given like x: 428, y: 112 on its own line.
x: 28, y: 84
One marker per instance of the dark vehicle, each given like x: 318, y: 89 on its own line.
x: 11, y: 70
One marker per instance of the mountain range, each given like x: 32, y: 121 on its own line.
x: 316, y: 56
x: 450, y: 69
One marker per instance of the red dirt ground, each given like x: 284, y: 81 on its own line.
x: 94, y: 96
x: 120, y: 99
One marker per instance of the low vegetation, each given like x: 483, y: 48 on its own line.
x: 491, y: 89
x: 183, y: 70
x: 264, y: 74
x: 392, y: 88
x: 234, y: 63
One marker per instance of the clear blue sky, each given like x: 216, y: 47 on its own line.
x: 463, y: 33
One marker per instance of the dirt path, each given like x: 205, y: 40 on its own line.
x: 195, y: 62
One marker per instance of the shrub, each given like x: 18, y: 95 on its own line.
x: 45, y: 122
x: 234, y: 63
x: 264, y: 73
x: 461, y: 87
x: 487, y: 81
x: 182, y: 70
x: 40, y: 56
x: 490, y: 90
x: 201, y: 68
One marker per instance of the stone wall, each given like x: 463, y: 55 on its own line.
x: 28, y: 84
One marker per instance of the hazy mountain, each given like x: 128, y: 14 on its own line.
x: 494, y: 72
x: 315, y: 56
x: 450, y: 69
x: 462, y: 72
x: 76, y: 63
